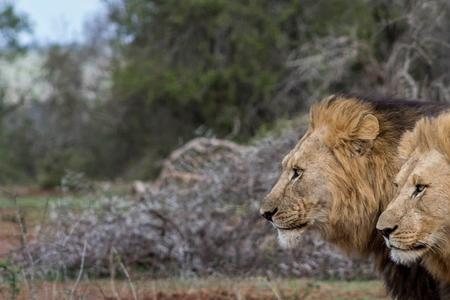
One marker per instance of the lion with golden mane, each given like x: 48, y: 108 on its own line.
x: 416, y: 225
x: 338, y: 179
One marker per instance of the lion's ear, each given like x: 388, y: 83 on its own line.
x: 368, y: 128
x: 365, y: 133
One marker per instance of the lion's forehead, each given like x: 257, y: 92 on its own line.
x: 306, y: 149
x: 407, y: 168
x: 424, y: 168
x: 432, y: 161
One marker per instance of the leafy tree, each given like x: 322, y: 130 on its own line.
x: 12, y: 25
x: 215, y: 64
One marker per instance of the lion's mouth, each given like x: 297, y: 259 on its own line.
x: 300, y: 226
x: 416, y: 247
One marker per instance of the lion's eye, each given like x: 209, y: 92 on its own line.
x: 419, y: 189
x: 395, y: 184
x: 297, y: 173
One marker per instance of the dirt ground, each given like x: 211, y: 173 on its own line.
x: 31, y: 204
x: 205, y: 289
x: 9, y: 232
x: 10, y: 229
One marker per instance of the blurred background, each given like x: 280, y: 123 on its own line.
x: 137, y: 138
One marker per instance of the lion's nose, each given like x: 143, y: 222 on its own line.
x: 269, y: 214
x: 387, y: 231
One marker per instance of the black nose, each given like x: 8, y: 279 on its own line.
x: 269, y: 214
x: 387, y: 231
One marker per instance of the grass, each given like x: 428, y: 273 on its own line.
x: 40, y: 202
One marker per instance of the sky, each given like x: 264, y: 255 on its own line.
x: 58, y: 20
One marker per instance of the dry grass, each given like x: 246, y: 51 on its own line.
x: 210, y: 288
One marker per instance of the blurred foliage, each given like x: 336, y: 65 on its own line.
x: 217, y: 64
x: 182, y: 65
x: 13, y: 160
x: 12, y: 25
x: 152, y: 74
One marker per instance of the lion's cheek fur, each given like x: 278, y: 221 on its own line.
x: 355, y: 207
x: 438, y: 266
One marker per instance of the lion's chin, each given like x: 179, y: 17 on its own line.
x: 406, y: 257
x: 289, y: 239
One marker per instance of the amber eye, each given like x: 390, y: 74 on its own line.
x: 419, y: 189
x: 395, y: 184
x: 297, y: 173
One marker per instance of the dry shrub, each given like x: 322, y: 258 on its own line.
x: 201, y: 217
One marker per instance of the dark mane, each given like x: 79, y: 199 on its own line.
x: 399, y: 105
x: 396, y: 107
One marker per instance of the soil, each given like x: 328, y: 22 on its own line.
x: 237, y: 289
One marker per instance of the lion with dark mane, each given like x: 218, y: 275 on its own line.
x: 338, y: 179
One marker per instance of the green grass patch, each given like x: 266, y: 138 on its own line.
x: 40, y: 202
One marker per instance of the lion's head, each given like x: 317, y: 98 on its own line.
x: 329, y: 181
x: 417, y: 222
x: 301, y: 197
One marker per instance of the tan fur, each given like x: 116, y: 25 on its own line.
x: 423, y: 219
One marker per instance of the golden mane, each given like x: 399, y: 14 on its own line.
x: 340, y: 115
x: 362, y: 186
